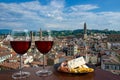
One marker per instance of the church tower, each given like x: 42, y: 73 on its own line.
x: 85, y: 32
x: 40, y: 33
x: 31, y: 34
x: 85, y: 42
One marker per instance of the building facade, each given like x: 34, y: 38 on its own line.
x: 72, y: 49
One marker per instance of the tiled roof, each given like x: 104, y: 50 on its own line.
x: 10, y: 65
x: 4, y: 51
x: 38, y: 62
x: 107, y: 59
x: 4, y: 54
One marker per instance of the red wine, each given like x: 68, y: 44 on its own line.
x: 44, y: 46
x: 20, y: 47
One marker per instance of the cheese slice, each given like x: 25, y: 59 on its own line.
x: 85, y: 66
x: 76, y: 62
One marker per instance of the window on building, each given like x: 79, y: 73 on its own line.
x: 115, y: 67
x: 115, y: 39
x: 106, y: 66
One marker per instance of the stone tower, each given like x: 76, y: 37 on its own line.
x: 31, y: 33
x: 40, y: 33
x: 85, y: 31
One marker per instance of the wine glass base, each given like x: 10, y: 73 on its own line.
x: 43, y: 72
x: 20, y: 75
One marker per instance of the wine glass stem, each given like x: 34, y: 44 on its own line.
x: 43, y: 61
x: 21, y: 64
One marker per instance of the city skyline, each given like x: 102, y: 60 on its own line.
x: 59, y: 14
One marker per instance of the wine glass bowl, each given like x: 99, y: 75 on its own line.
x: 20, y: 47
x: 20, y: 43
x: 44, y: 45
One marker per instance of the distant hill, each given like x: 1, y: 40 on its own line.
x: 4, y: 31
x: 81, y: 31
x: 68, y: 32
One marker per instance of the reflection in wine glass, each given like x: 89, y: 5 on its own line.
x: 20, y: 43
x: 44, y: 45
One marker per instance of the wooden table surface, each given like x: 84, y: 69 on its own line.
x: 97, y: 75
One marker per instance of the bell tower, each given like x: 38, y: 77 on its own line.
x: 40, y: 33
x: 85, y: 32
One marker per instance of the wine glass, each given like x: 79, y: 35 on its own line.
x: 20, y: 43
x: 44, y: 45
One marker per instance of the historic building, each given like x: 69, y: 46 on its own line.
x: 114, y: 38
x: 85, y: 32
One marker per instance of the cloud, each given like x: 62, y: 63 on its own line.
x: 83, y: 7
x: 55, y: 15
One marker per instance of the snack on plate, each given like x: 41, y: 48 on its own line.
x: 81, y: 70
x: 75, y: 66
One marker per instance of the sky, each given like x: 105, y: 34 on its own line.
x: 60, y: 14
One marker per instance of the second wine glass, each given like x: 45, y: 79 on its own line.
x: 44, y: 45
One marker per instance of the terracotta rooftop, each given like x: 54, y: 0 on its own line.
x: 38, y: 62
x: 14, y: 57
x: 4, y: 54
x: 4, y: 51
x: 109, y: 60
x: 10, y: 65
x: 2, y: 48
